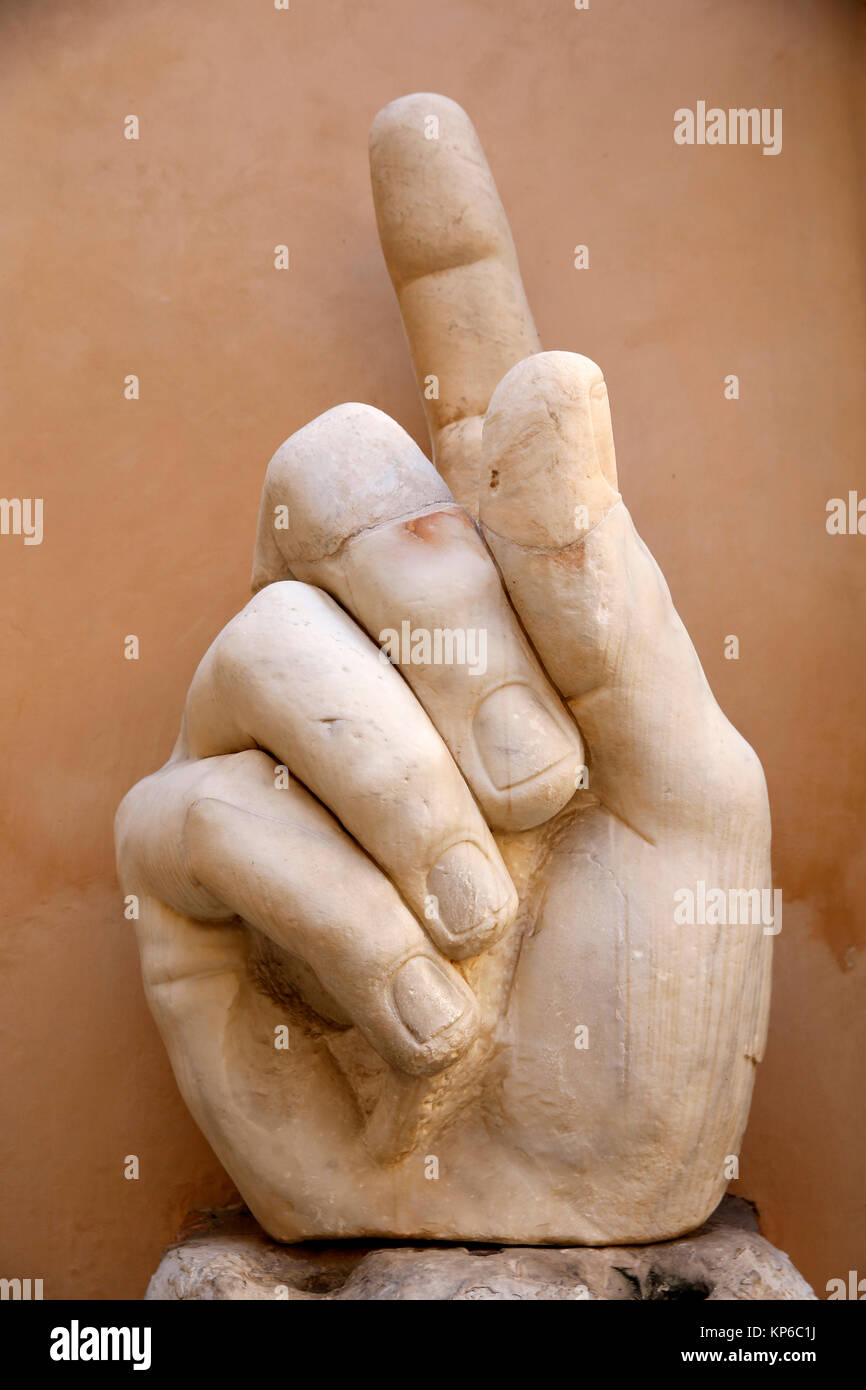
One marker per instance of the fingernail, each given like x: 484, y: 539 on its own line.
x: 516, y: 736
x: 466, y: 887
x: 425, y: 998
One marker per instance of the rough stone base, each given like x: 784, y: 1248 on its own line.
x: 227, y: 1256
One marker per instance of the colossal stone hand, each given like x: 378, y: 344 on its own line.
x: 449, y: 883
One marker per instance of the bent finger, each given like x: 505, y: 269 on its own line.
x: 292, y: 674
x: 372, y: 523
x: 218, y: 839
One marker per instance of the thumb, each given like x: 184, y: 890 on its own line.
x: 597, y: 608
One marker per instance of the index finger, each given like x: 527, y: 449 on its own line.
x: 452, y: 261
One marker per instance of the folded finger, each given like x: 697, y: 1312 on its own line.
x: 218, y: 839
x: 292, y: 674
x: 373, y: 523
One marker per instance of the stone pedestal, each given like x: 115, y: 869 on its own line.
x: 226, y: 1255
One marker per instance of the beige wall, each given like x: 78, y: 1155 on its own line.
x: 155, y: 258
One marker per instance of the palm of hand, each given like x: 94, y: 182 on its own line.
x: 592, y: 1079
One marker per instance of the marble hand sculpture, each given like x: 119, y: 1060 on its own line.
x: 408, y: 881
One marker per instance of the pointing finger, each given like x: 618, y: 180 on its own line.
x: 452, y: 260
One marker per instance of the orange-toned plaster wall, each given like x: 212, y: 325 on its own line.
x: 156, y: 258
